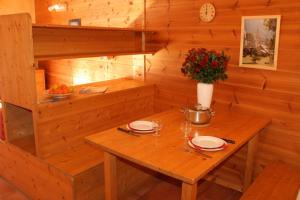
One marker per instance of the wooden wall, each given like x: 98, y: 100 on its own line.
x: 17, y: 6
x: 272, y: 93
x: 62, y: 126
x: 93, y: 13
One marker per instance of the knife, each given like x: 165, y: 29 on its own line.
x: 127, y: 131
x: 203, y: 154
x: 228, y: 140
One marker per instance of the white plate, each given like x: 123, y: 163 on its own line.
x: 203, y: 149
x: 137, y: 131
x: 142, y: 125
x: 208, y: 142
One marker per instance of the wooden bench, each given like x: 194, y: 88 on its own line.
x: 277, y: 181
x: 84, y: 167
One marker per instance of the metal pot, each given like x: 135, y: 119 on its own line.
x: 198, y: 115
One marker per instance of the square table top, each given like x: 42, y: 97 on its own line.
x: 167, y: 153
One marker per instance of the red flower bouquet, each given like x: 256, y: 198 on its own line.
x: 205, y: 66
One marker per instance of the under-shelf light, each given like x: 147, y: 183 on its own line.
x: 58, y: 7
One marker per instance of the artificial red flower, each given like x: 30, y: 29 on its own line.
x: 205, y: 66
x: 214, y: 64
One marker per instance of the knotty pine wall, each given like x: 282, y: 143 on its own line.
x: 127, y: 13
x: 17, y: 6
x: 272, y: 93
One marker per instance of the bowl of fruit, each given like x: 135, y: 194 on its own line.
x: 60, y: 91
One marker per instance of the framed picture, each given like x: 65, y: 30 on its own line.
x: 259, y: 42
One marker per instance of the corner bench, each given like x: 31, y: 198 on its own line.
x: 84, y: 167
x: 277, y: 181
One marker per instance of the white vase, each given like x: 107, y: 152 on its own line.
x: 204, y: 94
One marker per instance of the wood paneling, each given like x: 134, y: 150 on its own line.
x: 272, y: 93
x: 34, y: 177
x: 58, y: 41
x: 17, y: 71
x: 76, y: 174
x: 19, y: 122
x: 277, y: 181
x: 123, y: 14
x: 86, y: 70
x: 63, y: 125
x: 18, y: 6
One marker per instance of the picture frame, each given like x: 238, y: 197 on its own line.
x: 259, y: 42
x: 75, y: 22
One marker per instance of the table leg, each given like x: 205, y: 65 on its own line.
x: 110, y: 176
x: 251, y: 151
x: 188, y: 191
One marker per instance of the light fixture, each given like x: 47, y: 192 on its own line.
x: 58, y: 7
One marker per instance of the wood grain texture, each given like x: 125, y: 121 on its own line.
x: 122, y: 14
x: 110, y: 176
x: 17, y: 72
x: 63, y: 125
x: 189, y: 192
x: 23, y: 126
x: 33, y: 176
x: 18, y: 6
x: 166, y: 154
x: 274, y: 94
x: 50, y: 42
x: 277, y: 181
x: 251, y: 154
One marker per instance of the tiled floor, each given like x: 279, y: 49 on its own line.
x: 9, y: 192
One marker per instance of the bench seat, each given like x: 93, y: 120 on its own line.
x: 77, y: 160
x: 84, y: 166
x: 277, y: 181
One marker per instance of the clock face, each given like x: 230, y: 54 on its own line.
x: 207, y: 12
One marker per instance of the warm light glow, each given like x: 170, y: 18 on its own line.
x: 59, y: 7
x: 89, y: 70
x: 107, y: 68
x: 81, y: 78
x: 138, y: 66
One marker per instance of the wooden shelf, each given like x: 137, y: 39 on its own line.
x: 57, y: 26
x: 60, y: 42
x: 44, y: 42
x: 116, y: 85
x: 93, y: 54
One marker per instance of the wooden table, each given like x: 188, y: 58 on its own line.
x: 167, y: 153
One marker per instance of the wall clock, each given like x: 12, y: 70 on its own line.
x: 207, y: 12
